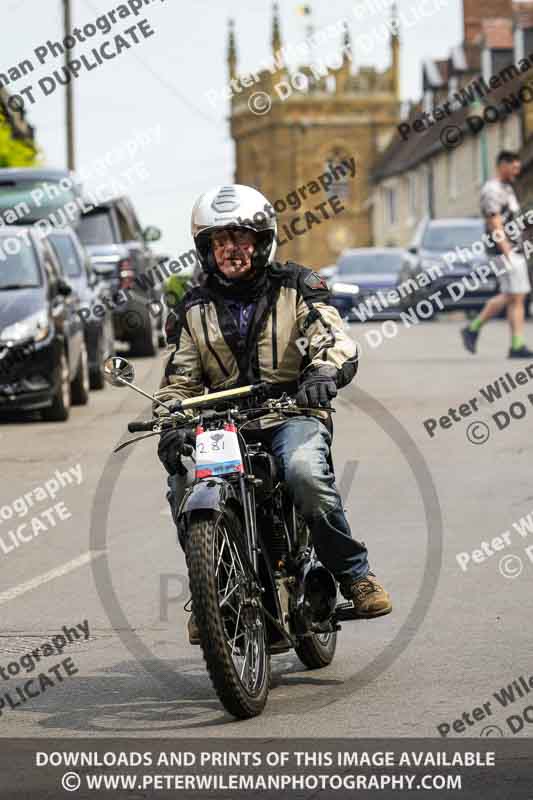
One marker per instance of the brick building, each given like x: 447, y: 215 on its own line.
x: 325, y: 118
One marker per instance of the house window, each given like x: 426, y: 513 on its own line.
x: 390, y: 206
x: 336, y: 165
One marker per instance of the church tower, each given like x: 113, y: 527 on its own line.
x: 292, y: 125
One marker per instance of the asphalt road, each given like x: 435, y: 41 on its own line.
x: 455, y: 637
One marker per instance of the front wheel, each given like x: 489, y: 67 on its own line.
x: 228, y: 611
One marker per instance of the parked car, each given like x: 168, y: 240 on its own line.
x: 362, y: 279
x: 92, y: 293
x: 29, y: 194
x: 43, y: 357
x: 120, y: 253
x: 433, y: 239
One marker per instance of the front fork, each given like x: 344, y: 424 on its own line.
x: 246, y: 486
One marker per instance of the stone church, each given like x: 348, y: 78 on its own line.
x: 292, y: 126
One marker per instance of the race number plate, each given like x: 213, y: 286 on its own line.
x: 218, y: 452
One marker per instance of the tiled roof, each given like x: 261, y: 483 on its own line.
x: 402, y: 155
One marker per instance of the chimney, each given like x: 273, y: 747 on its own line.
x: 476, y: 10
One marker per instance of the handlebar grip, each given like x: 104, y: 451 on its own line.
x: 138, y: 427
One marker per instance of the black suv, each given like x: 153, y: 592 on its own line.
x: 43, y: 357
x: 120, y: 253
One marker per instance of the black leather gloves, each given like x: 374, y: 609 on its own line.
x: 316, y: 391
x: 170, y: 447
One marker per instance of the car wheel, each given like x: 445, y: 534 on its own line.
x: 425, y: 317
x: 81, y: 383
x: 96, y: 376
x: 147, y: 342
x: 59, y: 411
x: 106, y: 348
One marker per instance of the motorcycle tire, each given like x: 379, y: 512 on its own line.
x: 233, y: 635
x: 318, y: 650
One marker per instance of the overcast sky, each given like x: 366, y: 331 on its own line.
x: 163, y: 80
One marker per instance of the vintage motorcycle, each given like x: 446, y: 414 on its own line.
x: 257, y: 587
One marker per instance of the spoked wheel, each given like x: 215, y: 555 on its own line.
x: 227, y: 607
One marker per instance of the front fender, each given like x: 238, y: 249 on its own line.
x: 207, y: 495
x: 210, y: 494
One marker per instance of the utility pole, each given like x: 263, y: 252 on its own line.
x: 69, y: 109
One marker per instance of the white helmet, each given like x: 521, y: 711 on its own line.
x: 234, y: 206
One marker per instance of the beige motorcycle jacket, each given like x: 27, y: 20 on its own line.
x: 294, y: 333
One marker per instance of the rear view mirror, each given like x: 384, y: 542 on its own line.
x: 118, y: 371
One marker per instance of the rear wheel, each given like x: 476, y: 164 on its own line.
x: 96, y: 376
x: 318, y: 650
x: 81, y: 383
x: 229, y: 615
x: 106, y: 348
x: 146, y: 343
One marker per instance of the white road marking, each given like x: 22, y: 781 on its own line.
x: 64, y: 569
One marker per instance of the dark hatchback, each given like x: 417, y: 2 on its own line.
x: 362, y: 280
x: 43, y: 358
x: 94, y: 300
x: 426, y: 271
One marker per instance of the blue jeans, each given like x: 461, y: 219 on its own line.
x: 302, y: 445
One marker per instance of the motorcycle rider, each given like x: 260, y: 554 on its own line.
x: 255, y: 319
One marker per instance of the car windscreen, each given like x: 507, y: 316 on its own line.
x: 67, y: 255
x: 23, y: 202
x: 448, y: 237
x: 96, y: 228
x: 18, y: 264
x: 369, y: 263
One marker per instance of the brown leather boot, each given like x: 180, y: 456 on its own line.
x: 369, y: 598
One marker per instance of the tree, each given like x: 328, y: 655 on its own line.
x: 15, y: 152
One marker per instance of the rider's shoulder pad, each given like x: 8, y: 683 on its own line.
x: 313, y: 286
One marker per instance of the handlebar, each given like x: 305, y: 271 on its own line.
x: 211, y: 399
x: 138, y: 427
